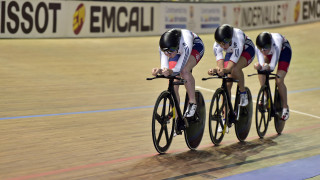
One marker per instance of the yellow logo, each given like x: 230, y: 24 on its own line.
x: 78, y: 18
x: 297, y: 11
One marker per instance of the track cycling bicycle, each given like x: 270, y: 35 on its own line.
x: 167, y: 118
x: 266, y: 108
x: 223, y: 114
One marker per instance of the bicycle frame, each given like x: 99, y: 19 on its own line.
x: 273, y: 106
x: 175, y: 99
x: 171, y: 85
x: 267, y: 83
x: 240, y: 116
x: 232, y: 116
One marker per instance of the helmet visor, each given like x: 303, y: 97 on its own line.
x: 225, y: 41
x: 169, y: 50
x: 265, y: 48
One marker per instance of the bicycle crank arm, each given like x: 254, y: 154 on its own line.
x: 186, y: 123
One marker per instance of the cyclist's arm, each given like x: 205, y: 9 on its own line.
x: 218, y: 52
x: 163, y: 60
x: 237, y: 43
x: 185, y: 49
x: 276, y: 53
x: 260, y: 57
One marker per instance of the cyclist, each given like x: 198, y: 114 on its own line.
x: 273, y: 48
x: 239, y: 53
x: 180, y: 51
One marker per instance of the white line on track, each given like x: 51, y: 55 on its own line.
x: 298, y: 112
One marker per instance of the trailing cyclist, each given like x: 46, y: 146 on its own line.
x: 273, y: 48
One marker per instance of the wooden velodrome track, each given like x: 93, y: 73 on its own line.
x: 81, y: 109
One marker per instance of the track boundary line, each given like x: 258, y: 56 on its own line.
x: 297, y: 91
x: 142, y: 107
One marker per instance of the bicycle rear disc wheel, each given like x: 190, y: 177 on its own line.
x: 243, y: 124
x: 278, y: 123
x: 263, y: 111
x: 163, y: 122
x: 217, y: 111
x: 194, y: 133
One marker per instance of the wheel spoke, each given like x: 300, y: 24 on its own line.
x: 216, y: 130
x: 160, y: 135
x: 164, y: 107
x: 166, y: 133
x: 158, y: 118
x: 260, y: 122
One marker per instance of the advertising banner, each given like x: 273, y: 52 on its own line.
x: 306, y: 11
x: 31, y: 19
x: 261, y: 15
x: 64, y: 19
x: 52, y: 19
x: 199, y: 18
x: 114, y: 19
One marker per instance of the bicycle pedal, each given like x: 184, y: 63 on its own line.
x: 179, y: 132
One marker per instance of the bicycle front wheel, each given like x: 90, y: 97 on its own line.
x: 278, y: 123
x: 218, y: 111
x: 263, y: 110
x: 194, y: 133
x: 163, y: 122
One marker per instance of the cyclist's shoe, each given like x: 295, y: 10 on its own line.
x: 220, y: 129
x: 243, y: 99
x: 174, y: 133
x: 191, y: 109
x: 285, y: 114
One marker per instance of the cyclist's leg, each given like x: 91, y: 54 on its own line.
x: 187, y: 75
x: 226, y: 63
x: 237, y: 72
x: 262, y: 77
x: 176, y: 90
x: 245, y: 59
x: 282, y: 87
x: 172, y: 63
x: 229, y: 85
x: 283, y: 66
x: 195, y: 56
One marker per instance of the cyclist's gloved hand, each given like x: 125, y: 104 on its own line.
x: 266, y: 67
x: 221, y: 71
x: 167, y: 72
x: 212, y: 71
x: 155, y: 71
x: 257, y: 66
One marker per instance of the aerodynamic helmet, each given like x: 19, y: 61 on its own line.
x: 224, y: 34
x: 263, y: 40
x: 170, y: 40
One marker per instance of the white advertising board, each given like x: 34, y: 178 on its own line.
x: 64, y: 19
x: 52, y: 19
